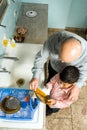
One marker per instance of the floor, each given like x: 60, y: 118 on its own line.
x: 73, y: 118
x: 80, y: 32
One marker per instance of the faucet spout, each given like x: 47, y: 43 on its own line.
x: 11, y: 58
x: 3, y: 70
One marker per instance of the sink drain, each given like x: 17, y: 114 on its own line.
x: 20, y: 82
x: 31, y: 13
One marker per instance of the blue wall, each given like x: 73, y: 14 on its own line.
x: 65, y: 13
x: 9, y: 20
x: 78, y: 14
x: 57, y: 11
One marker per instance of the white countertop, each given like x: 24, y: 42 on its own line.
x: 34, y: 124
x: 22, y: 68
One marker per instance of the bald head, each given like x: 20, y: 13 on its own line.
x: 70, y: 50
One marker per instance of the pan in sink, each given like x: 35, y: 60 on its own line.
x: 10, y: 104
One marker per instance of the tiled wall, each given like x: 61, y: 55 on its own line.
x: 9, y: 20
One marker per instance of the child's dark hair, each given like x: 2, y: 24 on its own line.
x: 69, y: 74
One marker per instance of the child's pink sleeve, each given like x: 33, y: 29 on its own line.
x: 61, y: 104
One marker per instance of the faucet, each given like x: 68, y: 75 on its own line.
x: 8, y: 57
x: 11, y: 58
x: 3, y: 70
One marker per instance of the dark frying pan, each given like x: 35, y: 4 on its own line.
x: 10, y: 104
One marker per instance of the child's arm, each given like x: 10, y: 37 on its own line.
x: 51, y: 102
x: 58, y: 104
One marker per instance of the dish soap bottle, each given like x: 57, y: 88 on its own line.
x: 12, y: 43
x: 5, y: 41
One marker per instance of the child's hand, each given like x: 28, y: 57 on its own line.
x: 51, y: 101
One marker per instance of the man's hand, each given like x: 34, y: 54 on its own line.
x: 74, y: 94
x: 51, y: 102
x: 33, y: 84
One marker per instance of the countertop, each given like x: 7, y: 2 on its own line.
x: 22, y: 68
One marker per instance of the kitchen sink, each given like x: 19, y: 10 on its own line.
x: 19, y: 78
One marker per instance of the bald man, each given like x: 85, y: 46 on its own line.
x: 62, y: 48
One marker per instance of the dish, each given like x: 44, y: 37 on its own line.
x: 41, y: 95
x: 10, y: 105
x: 19, y: 38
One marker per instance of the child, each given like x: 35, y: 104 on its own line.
x: 60, y: 87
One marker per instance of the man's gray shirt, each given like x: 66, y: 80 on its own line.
x: 50, y: 50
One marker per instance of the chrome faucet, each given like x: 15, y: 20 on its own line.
x: 2, y: 56
x: 3, y: 70
x: 8, y: 57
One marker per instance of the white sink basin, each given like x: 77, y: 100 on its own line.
x: 22, y: 69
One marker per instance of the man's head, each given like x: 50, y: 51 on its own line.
x: 70, y: 50
x: 69, y: 76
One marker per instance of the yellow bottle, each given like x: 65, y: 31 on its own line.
x: 5, y: 41
x: 12, y: 43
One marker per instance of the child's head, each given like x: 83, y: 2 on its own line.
x: 69, y: 76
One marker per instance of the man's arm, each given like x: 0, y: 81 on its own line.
x: 74, y: 94
x: 80, y: 83
x: 40, y: 59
